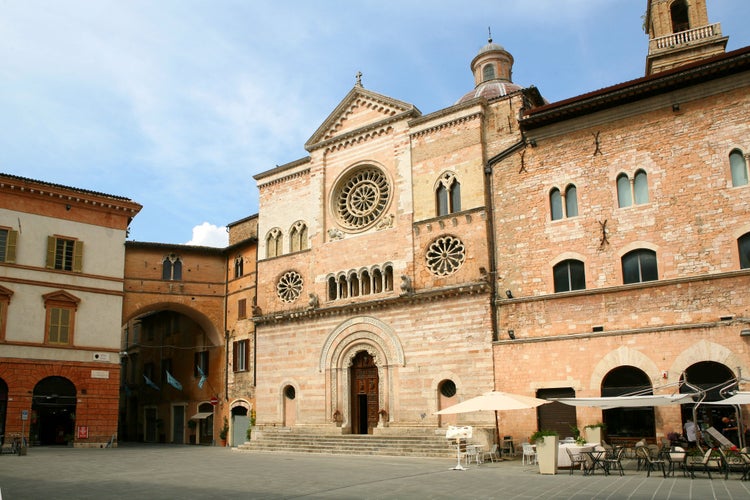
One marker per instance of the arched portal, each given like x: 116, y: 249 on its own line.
x: 711, y: 377
x: 365, y: 393
x: 53, y: 410
x: 628, y: 422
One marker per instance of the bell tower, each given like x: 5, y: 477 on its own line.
x: 679, y: 33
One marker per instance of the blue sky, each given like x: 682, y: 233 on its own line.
x: 176, y: 104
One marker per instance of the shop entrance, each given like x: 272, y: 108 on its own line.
x: 53, y: 412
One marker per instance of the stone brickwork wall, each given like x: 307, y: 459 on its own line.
x: 693, y: 313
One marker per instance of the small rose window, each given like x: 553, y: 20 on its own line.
x: 445, y: 255
x: 289, y: 286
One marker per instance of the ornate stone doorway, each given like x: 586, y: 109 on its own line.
x: 364, y: 401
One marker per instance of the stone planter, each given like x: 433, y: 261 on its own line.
x: 546, y: 454
x: 593, y: 434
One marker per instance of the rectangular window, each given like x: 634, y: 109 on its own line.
x: 65, y: 254
x: 242, y: 309
x: 240, y: 356
x: 59, y: 325
x: 166, y: 366
x: 8, y: 239
x: 200, y: 361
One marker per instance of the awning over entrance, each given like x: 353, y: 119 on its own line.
x: 201, y: 415
x: 629, y: 401
x: 739, y: 398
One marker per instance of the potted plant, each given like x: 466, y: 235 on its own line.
x: 546, y: 450
x: 594, y: 432
x: 224, y: 432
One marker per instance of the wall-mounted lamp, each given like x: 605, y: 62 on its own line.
x: 532, y: 143
x: 676, y: 107
x: 508, y: 294
x: 512, y: 334
x: 67, y: 207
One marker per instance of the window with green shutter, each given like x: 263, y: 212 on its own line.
x: 65, y: 254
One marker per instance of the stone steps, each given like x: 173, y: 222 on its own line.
x: 422, y: 446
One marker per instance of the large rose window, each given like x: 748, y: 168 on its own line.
x: 361, y: 198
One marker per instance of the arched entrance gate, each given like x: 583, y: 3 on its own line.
x: 359, y: 357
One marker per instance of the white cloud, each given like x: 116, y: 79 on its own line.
x: 209, y: 235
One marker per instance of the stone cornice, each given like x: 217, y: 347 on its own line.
x: 458, y: 120
x: 66, y: 194
x: 405, y: 299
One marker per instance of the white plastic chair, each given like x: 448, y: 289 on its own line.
x: 471, y: 454
x: 529, y: 454
x: 493, y: 454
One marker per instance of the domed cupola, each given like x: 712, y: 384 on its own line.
x: 492, y: 68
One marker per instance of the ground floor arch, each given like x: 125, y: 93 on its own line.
x: 628, y: 422
x: 717, y: 381
x: 53, y: 412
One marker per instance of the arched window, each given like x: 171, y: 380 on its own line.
x: 343, y: 287
x: 569, y: 275
x: 448, y: 194
x: 388, y: 278
x: 571, y: 201
x: 238, y: 266
x: 555, y: 204
x: 639, y: 266
x: 488, y: 73
x: 743, y: 243
x: 365, y: 283
x: 354, y: 285
x: 332, y: 288
x: 274, y: 240
x: 679, y: 13
x: 738, y: 165
x: 640, y: 187
x: 377, y: 281
x: 624, y: 196
x: 298, y: 237
x: 171, y: 268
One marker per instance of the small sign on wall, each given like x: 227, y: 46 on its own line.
x: 83, y: 432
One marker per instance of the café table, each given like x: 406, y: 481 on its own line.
x: 563, y: 459
x: 596, y: 461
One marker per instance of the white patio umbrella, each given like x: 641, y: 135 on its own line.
x: 494, y: 401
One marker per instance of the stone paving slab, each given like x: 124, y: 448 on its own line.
x: 197, y: 472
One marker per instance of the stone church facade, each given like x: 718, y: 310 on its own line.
x: 595, y: 246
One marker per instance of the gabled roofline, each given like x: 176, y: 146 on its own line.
x: 318, y: 137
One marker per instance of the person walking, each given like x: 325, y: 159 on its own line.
x: 690, y: 433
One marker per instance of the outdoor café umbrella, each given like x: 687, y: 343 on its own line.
x: 494, y: 401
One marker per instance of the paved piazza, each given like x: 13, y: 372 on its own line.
x: 189, y: 472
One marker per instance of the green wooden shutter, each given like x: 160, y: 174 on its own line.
x: 51, y: 244
x: 78, y: 256
x: 10, y: 250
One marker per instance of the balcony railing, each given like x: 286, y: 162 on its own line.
x: 686, y: 37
